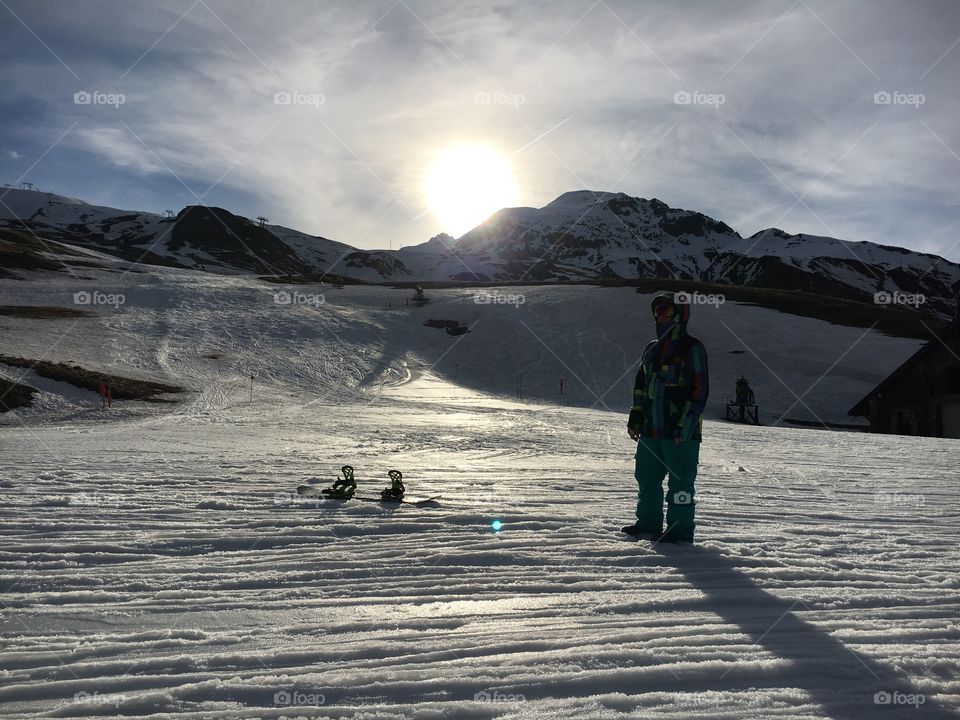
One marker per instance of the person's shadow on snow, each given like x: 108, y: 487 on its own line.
x: 846, y: 684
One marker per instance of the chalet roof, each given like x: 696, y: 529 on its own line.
x: 860, y: 409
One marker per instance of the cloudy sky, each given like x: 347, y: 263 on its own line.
x: 759, y: 113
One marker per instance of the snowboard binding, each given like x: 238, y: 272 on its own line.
x: 396, y: 489
x: 344, y: 487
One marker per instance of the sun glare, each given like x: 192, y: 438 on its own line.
x: 466, y: 184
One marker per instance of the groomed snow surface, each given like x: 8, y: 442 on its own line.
x: 157, y: 562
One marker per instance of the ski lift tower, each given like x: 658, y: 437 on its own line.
x: 26, y: 186
x: 261, y: 220
x: 168, y: 213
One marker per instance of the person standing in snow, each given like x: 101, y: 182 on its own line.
x: 106, y: 396
x: 669, y: 396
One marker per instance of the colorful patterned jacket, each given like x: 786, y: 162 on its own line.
x: 671, y: 388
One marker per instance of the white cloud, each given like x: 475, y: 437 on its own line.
x: 118, y: 147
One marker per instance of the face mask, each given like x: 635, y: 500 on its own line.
x: 663, y: 312
x: 663, y: 319
x: 665, y: 323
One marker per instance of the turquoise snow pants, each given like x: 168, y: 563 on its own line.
x: 656, y: 458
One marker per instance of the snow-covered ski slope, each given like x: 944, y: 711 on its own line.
x: 318, y: 341
x: 157, y: 561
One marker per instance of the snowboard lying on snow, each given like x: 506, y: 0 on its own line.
x: 317, y: 492
x: 345, y: 487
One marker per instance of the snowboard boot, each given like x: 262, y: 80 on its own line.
x: 670, y: 537
x: 639, y: 532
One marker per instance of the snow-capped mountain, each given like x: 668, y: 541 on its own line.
x: 585, y: 235
x: 580, y: 236
x: 198, y: 236
x: 825, y: 265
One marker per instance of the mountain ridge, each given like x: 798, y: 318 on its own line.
x: 579, y: 236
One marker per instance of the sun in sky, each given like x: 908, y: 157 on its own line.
x: 466, y: 184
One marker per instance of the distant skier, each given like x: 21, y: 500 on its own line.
x: 562, y: 383
x: 669, y: 396
x: 106, y: 397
